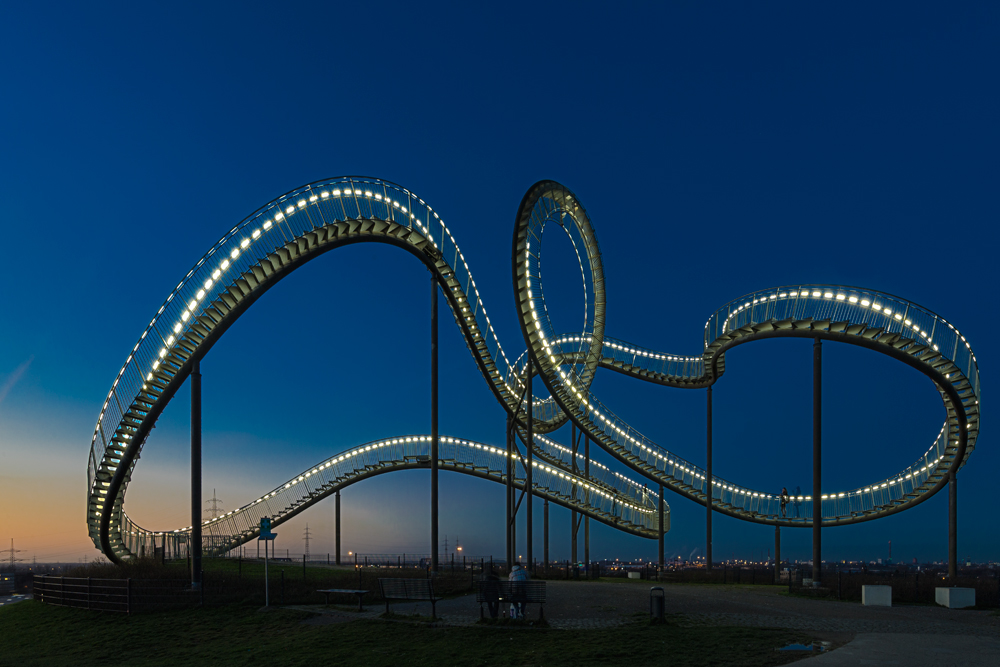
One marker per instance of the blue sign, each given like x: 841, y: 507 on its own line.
x: 265, y: 529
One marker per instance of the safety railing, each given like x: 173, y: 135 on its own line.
x: 247, y: 255
x: 905, y: 327
x: 608, y: 496
x: 125, y: 596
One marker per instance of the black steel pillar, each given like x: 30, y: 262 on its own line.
x: 817, y: 459
x: 196, y: 474
x: 545, y: 531
x: 708, y: 486
x: 574, y: 522
x: 777, y: 552
x: 527, y: 482
x: 661, y: 529
x: 337, y: 518
x: 434, y: 423
x: 952, y: 523
x: 510, y: 494
x: 586, y: 520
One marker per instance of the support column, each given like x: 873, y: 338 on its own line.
x: 545, y: 531
x: 530, y: 447
x: 574, y: 522
x: 586, y: 520
x: 662, y: 563
x: 434, y: 423
x: 510, y: 496
x: 952, y: 524
x: 708, y: 486
x: 196, y: 474
x: 817, y: 459
x: 337, y: 518
x: 777, y: 553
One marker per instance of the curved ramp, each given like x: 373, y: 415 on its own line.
x: 877, y: 321
x: 316, y: 218
x: 617, y: 502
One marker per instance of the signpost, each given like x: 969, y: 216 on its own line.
x: 267, y: 536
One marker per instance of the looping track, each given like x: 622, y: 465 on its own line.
x: 313, y: 219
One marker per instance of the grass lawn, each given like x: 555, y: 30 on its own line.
x: 35, y: 634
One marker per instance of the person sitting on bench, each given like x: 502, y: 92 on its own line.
x: 491, y: 592
x: 518, y: 575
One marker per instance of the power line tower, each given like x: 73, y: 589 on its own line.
x: 12, y: 551
x: 306, y: 539
x: 215, y: 510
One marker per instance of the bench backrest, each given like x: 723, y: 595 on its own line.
x: 523, y: 591
x: 406, y: 589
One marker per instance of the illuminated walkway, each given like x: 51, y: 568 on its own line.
x: 309, y: 221
x: 606, y: 496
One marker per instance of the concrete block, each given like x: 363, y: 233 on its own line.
x: 955, y: 598
x: 633, y: 575
x: 876, y: 596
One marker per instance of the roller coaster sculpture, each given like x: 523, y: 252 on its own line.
x: 313, y: 219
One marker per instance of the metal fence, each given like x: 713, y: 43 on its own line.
x: 116, y: 595
x: 907, y: 587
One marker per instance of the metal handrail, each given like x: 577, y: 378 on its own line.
x: 294, y: 228
x: 880, y: 321
x: 617, y: 501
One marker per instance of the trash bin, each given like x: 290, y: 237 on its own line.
x: 657, y: 603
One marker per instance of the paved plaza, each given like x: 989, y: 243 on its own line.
x: 902, y: 635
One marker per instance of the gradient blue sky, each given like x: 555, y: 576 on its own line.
x: 718, y: 149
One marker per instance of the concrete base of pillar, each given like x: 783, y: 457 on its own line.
x: 876, y: 596
x: 955, y: 598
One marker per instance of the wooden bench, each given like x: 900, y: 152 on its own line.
x: 509, y: 592
x: 409, y: 589
x: 353, y: 591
